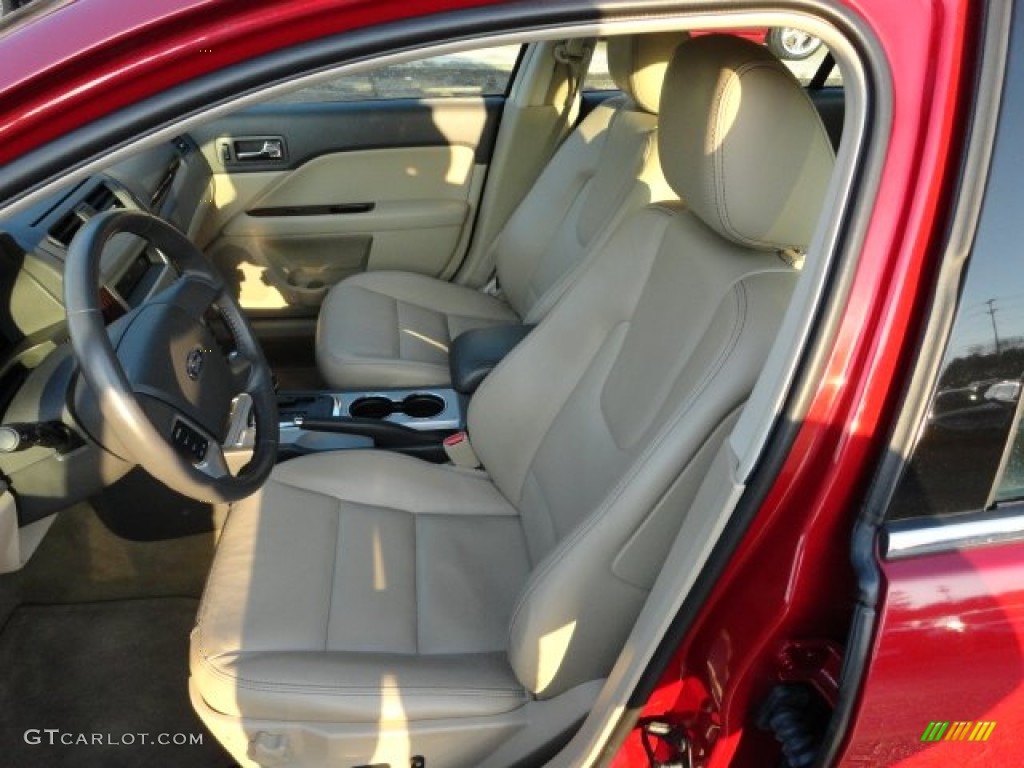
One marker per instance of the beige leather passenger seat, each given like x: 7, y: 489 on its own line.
x: 392, y: 329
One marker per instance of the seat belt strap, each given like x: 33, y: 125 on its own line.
x: 575, y: 55
x: 493, y: 287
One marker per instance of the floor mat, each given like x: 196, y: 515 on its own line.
x: 101, y: 684
x: 82, y: 561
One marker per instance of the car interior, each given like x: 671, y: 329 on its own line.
x: 358, y: 425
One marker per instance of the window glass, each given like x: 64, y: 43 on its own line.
x: 970, y: 450
x: 1010, y: 486
x: 799, y: 51
x: 483, y: 72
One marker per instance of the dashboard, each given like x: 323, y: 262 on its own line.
x: 38, y: 375
x: 171, y: 181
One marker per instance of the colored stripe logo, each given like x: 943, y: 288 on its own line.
x: 958, y: 731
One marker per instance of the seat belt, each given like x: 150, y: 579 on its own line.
x: 573, y: 56
x: 460, y: 450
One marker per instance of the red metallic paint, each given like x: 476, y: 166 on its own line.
x: 950, y: 647
x: 797, y: 551
x: 88, y: 58
x: 753, y: 34
x: 816, y: 663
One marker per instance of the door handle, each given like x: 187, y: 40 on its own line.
x: 272, y: 149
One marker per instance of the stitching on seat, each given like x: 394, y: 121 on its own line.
x: 438, y: 512
x: 410, y: 302
x: 719, y: 185
x: 562, y: 551
x: 448, y: 327
x: 518, y: 350
x: 416, y: 577
x: 334, y: 570
x: 397, y: 342
x: 331, y: 690
x: 718, y: 158
x: 572, y: 198
x: 545, y: 300
x: 550, y: 533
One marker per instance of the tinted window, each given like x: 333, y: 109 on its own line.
x: 1011, y: 482
x: 484, y: 72
x: 974, y: 408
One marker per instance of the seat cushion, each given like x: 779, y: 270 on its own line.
x: 363, y: 586
x: 392, y: 329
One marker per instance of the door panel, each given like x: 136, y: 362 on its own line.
x: 364, y: 185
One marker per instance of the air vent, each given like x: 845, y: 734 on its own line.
x: 100, y: 198
x: 66, y: 228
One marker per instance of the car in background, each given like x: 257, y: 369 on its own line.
x: 789, y: 43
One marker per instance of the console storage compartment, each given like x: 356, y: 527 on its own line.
x: 475, y: 353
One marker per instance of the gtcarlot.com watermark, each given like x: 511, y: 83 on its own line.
x: 55, y: 736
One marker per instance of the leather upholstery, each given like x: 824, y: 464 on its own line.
x: 637, y: 64
x: 373, y: 333
x: 750, y: 171
x: 352, y: 570
x: 358, y: 567
x: 393, y: 329
x: 632, y: 403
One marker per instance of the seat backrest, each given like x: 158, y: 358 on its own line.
x: 605, y: 168
x: 626, y: 390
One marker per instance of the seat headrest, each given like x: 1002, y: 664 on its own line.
x: 742, y: 144
x: 637, y: 64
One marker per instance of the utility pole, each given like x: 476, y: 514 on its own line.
x: 992, y: 316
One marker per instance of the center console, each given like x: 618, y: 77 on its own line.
x: 413, y: 421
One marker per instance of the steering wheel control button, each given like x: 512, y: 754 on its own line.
x: 189, y: 442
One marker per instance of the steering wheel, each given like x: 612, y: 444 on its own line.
x: 163, y: 386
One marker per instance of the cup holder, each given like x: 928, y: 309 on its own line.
x: 415, y: 406
x: 422, y: 406
x: 372, y: 408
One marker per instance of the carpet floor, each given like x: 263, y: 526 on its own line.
x: 105, y: 672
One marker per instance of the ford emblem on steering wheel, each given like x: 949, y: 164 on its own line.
x: 194, y: 363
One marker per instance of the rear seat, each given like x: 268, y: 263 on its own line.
x: 393, y: 329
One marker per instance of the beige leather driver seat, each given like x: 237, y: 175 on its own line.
x: 392, y: 329
x: 367, y: 607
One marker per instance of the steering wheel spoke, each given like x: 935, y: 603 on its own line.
x: 239, y: 431
x: 194, y: 293
x: 201, y: 449
x: 243, y: 373
x: 170, y: 358
x: 215, y: 465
